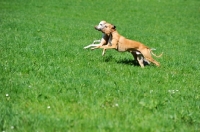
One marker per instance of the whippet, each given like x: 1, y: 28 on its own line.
x: 122, y: 44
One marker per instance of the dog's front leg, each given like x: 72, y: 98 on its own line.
x: 91, y: 45
x: 95, y: 41
x: 95, y: 45
x: 104, y: 47
x: 102, y: 42
x: 103, y: 53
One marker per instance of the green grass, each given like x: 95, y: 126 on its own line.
x: 48, y: 82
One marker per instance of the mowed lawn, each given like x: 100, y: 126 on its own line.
x: 49, y: 83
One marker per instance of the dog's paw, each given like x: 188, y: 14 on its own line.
x: 94, y: 48
x: 85, y: 47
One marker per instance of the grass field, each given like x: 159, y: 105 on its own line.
x: 49, y: 83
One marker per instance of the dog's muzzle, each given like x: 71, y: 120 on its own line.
x: 98, y: 28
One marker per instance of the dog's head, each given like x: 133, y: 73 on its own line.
x: 100, y: 26
x: 108, y: 28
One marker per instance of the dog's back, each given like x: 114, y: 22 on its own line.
x: 124, y: 44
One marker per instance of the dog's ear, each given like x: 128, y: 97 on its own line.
x: 113, y: 27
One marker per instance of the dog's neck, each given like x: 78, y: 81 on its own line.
x: 111, y: 36
x: 113, y: 31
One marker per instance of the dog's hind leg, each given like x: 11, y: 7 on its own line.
x: 147, y: 55
x: 153, y: 61
x: 138, y: 57
x: 140, y: 60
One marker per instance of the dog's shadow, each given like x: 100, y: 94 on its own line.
x: 132, y: 62
x: 128, y: 62
x: 123, y: 61
x: 108, y: 58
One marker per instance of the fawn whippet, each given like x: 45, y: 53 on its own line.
x: 122, y: 44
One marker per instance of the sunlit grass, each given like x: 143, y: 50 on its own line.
x: 48, y: 82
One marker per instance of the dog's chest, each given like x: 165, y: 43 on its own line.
x: 120, y: 47
x: 110, y: 39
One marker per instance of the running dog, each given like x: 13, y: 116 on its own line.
x: 106, y: 39
x: 122, y: 44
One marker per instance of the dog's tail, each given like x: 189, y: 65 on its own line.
x: 155, y: 54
